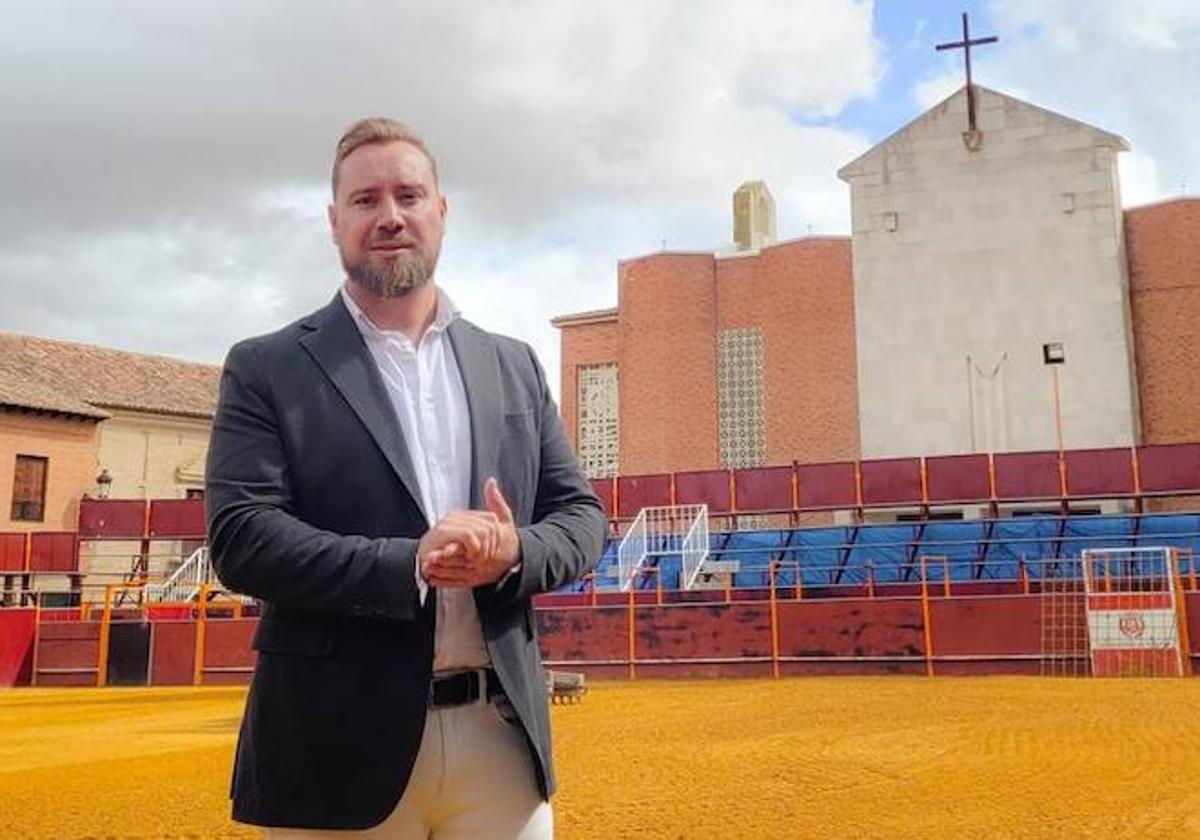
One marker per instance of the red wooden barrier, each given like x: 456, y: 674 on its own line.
x: 635, y: 492
x: 705, y: 487
x: 763, y: 489
x: 180, y: 518
x: 891, y: 481
x: 53, y: 551
x: 1169, y: 468
x: 17, y: 628
x: 12, y: 552
x: 825, y: 486
x: 112, y: 518
x: 605, y: 489
x: 958, y: 479
x: 1027, y: 475
x: 1099, y: 472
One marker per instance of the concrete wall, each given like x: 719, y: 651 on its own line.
x: 149, y: 457
x: 993, y: 253
x: 154, y: 456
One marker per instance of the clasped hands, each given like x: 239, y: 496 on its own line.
x: 471, y: 547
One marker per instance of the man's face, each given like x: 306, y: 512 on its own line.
x: 388, y: 217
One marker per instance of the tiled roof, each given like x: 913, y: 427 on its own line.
x: 47, y: 375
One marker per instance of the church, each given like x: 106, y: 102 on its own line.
x: 993, y: 296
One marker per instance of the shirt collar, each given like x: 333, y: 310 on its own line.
x: 445, y: 315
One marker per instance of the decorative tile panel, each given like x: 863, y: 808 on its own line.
x: 599, y: 432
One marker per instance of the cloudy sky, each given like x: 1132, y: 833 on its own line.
x: 165, y: 165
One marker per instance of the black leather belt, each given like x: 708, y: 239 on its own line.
x: 463, y: 687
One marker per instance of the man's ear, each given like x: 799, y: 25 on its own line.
x: 331, y: 214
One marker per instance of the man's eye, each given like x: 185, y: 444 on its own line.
x: 364, y: 201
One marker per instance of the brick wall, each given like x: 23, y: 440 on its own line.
x: 801, y: 294
x: 582, y: 344
x: 70, y: 447
x: 667, y: 365
x: 672, y: 307
x: 1163, y: 244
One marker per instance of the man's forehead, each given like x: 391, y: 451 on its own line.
x: 394, y: 160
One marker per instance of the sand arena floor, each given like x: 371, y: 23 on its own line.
x: 830, y: 758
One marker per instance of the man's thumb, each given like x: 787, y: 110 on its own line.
x: 495, y: 501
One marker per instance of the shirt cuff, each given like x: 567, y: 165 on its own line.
x: 422, y: 586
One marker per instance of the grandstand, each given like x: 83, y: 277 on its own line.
x: 845, y: 561
x: 948, y: 564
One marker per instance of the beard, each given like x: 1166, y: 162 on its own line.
x: 392, y: 278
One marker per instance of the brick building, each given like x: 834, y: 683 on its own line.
x: 987, y: 249
x: 69, y: 412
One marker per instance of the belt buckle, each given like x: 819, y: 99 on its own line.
x: 480, y: 683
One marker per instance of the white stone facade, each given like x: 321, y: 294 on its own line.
x: 967, y: 262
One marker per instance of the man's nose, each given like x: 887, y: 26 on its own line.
x: 390, y: 217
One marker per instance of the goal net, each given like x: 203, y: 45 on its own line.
x: 1135, y: 613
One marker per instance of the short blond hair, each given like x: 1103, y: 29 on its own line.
x: 378, y: 130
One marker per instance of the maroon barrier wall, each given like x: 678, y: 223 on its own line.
x: 228, y: 658
x: 997, y: 633
x: 17, y: 628
x: 173, y: 652
x: 12, y: 552
x: 67, y: 653
x: 704, y: 487
x: 993, y: 633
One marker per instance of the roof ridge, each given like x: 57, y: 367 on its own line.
x: 37, y: 339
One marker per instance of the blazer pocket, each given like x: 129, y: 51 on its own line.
x: 297, y: 637
x: 519, y: 418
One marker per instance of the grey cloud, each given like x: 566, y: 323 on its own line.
x: 146, y: 145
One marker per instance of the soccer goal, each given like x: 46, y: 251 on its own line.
x: 658, y: 532
x: 1136, y: 623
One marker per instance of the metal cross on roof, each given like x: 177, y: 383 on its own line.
x: 965, y: 45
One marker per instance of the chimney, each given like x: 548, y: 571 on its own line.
x: 753, y: 216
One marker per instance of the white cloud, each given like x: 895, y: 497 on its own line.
x: 166, y: 165
x: 1139, y: 179
x: 1122, y: 67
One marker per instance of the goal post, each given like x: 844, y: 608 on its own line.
x: 666, y: 531
x: 1136, y: 618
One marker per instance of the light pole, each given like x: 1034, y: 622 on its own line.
x: 1054, y: 356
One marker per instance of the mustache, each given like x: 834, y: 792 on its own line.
x: 392, y: 241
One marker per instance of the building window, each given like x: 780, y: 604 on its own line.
x: 599, y: 437
x: 740, y: 398
x: 29, y: 489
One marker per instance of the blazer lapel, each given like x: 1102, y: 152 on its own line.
x: 337, y: 347
x: 480, y: 372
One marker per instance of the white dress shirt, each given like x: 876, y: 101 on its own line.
x: 426, y: 391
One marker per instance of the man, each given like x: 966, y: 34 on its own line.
x: 394, y: 484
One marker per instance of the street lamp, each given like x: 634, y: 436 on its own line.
x: 1054, y: 356
x: 103, y: 484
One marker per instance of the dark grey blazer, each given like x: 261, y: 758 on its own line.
x: 311, y: 508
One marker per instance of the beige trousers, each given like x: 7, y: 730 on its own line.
x: 474, y: 780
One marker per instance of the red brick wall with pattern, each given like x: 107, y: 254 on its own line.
x: 582, y: 344
x: 1163, y: 244
x: 801, y: 294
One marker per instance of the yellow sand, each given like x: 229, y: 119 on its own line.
x: 830, y: 758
